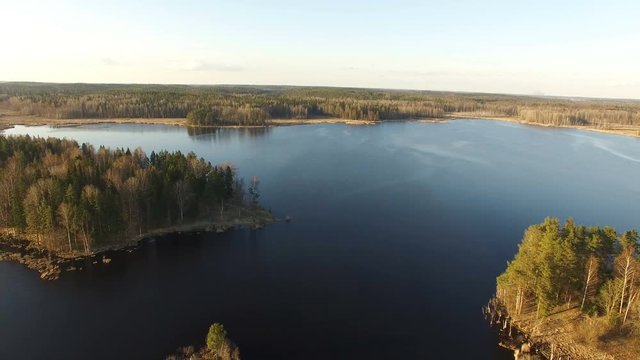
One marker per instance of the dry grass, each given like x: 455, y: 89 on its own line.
x: 579, y: 336
x: 623, y: 342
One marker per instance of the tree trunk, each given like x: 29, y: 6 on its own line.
x: 85, y: 239
x: 624, y: 281
x: 586, y: 284
x: 632, y: 298
x: 69, y: 239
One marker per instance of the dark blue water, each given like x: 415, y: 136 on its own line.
x: 398, y: 233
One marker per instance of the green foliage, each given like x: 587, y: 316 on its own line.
x: 557, y: 265
x: 66, y: 197
x: 218, y: 347
x: 609, y: 297
x: 216, y: 336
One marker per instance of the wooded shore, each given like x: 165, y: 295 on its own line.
x: 570, y: 292
x: 263, y: 106
x: 9, y: 121
x: 51, y: 264
x: 627, y: 130
x: 71, y: 201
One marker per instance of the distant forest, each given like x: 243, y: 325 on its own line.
x: 72, y: 198
x: 256, y: 105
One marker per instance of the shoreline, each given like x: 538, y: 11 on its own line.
x: 9, y: 121
x: 632, y: 131
x: 546, y: 338
x: 315, y: 121
x: 50, y: 265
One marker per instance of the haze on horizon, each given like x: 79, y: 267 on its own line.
x: 574, y: 48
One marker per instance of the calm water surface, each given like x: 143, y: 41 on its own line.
x: 399, y: 231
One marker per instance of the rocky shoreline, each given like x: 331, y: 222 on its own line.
x: 46, y: 263
x: 50, y: 264
x: 510, y: 336
x: 535, y: 341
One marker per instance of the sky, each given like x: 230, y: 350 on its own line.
x: 545, y: 47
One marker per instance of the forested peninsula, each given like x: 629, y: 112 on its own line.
x: 571, y: 292
x: 59, y: 104
x: 61, y: 200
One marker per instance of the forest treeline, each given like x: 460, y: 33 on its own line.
x: 559, y: 266
x: 71, y: 198
x: 253, y: 105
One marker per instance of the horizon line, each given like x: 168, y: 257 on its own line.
x: 329, y: 86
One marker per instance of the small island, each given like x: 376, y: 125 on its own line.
x: 218, y: 347
x: 61, y: 201
x: 571, y: 292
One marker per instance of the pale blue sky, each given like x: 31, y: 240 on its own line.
x: 581, y: 48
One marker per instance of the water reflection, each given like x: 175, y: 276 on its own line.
x: 212, y: 134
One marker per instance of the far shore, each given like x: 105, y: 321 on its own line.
x: 7, y: 121
x: 633, y: 131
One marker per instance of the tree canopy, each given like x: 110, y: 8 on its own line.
x: 67, y: 197
x: 595, y: 268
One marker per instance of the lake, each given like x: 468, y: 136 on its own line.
x: 398, y: 233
